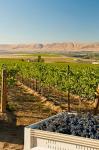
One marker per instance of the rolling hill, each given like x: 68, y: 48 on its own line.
x: 71, y: 46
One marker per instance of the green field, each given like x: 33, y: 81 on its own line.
x: 44, y: 54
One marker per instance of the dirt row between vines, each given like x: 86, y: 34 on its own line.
x: 59, y: 102
x: 43, y: 99
x: 25, y: 109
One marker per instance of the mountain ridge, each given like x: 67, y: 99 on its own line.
x: 70, y: 46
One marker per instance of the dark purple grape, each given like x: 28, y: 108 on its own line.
x: 78, y: 125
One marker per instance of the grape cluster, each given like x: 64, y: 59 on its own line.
x: 79, y: 125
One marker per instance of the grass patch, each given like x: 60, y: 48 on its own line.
x: 41, y: 54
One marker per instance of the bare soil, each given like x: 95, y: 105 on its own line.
x: 23, y: 109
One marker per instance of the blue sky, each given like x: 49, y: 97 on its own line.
x: 30, y: 21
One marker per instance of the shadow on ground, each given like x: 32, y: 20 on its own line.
x: 10, y: 133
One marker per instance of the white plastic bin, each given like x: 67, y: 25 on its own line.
x: 56, y: 141
x: 39, y: 148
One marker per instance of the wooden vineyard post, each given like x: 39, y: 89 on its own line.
x: 36, y: 85
x: 3, y: 90
x: 96, y: 104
